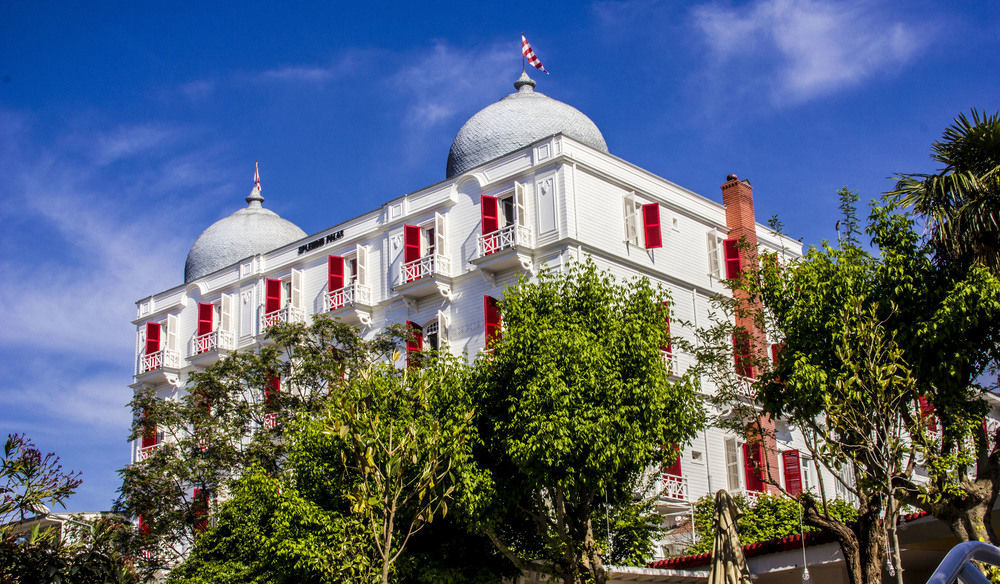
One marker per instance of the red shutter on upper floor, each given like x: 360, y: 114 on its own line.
x: 734, y: 264
x: 152, y: 337
x: 143, y: 526
x: 793, y: 472
x: 675, y: 468
x: 742, y: 357
x: 491, y: 312
x: 206, y: 318
x: 753, y: 466
x: 411, y: 243
x: 489, y: 207
x: 335, y: 273
x: 414, y: 342
x: 651, y: 225
x: 927, y: 413
x: 272, y: 295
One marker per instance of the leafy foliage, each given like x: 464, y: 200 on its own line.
x: 29, y: 479
x: 575, y: 405
x: 962, y: 201
x: 769, y: 517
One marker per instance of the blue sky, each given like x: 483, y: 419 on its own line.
x: 127, y: 128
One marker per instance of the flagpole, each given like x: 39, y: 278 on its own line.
x: 523, y: 70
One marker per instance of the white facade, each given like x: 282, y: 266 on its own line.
x: 558, y: 200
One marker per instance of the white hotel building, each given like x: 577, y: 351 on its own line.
x: 530, y: 183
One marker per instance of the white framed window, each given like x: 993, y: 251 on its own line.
x: 733, y: 467
x: 633, y: 214
x: 715, y: 259
x: 807, y: 481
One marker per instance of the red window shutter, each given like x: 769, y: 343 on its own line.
x: 149, y: 434
x: 665, y: 309
x: 675, y: 468
x: 734, y: 264
x: 206, y: 316
x: 742, y: 358
x: 199, y: 510
x: 414, y: 342
x: 927, y: 413
x: 651, y: 225
x: 272, y: 295
x: 752, y: 466
x: 776, y: 350
x: 793, y: 472
x: 491, y: 221
x: 335, y: 273
x: 152, y: 337
x: 271, y: 393
x: 411, y: 243
x: 493, y: 320
x: 143, y: 526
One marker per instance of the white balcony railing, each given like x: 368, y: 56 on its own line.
x: 425, y: 266
x: 678, y: 362
x: 349, y: 295
x: 147, y: 451
x: 501, y: 239
x: 270, y: 421
x: 675, y: 488
x: 158, y: 360
x: 213, y: 341
x: 288, y: 314
x: 750, y: 496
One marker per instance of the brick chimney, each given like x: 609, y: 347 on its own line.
x: 737, y: 196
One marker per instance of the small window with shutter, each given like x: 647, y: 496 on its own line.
x: 793, y: 472
x: 651, y: 225
x: 734, y: 264
x: 493, y: 319
x: 414, y: 343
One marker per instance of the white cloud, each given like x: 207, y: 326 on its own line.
x: 85, y: 244
x: 801, y: 49
x: 446, y: 80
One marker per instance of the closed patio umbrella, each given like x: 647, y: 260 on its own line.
x: 729, y: 566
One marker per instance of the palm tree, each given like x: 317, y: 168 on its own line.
x: 962, y: 201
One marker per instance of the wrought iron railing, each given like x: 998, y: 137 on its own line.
x: 288, y: 314
x: 213, y: 341
x: 504, y: 238
x: 349, y: 295
x: 425, y: 266
x: 158, y: 360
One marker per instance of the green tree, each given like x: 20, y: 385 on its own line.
x: 575, y: 406
x: 962, y: 200
x: 766, y: 518
x: 864, y: 333
x: 230, y: 420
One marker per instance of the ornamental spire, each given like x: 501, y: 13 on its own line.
x: 254, y: 199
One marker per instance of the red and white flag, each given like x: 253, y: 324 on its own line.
x: 529, y: 54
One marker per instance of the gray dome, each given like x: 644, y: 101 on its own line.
x: 247, y: 232
x: 514, y: 122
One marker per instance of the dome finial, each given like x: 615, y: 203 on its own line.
x: 254, y: 199
x: 524, y: 84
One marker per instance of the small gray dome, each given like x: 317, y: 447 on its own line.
x: 514, y: 122
x: 247, y: 232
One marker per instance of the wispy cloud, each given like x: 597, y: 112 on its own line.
x: 801, y: 49
x: 447, y: 80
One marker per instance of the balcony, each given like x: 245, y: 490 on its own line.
x: 750, y: 496
x: 351, y: 304
x: 270, y: 421
x: 145, y: 452
x: 674, y: 489
x: 424, y: 277
x: 159, y: 367
x: 506, y: 248
x: 288, y: 314
x: 206, y: 349
x: 678, y: 362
